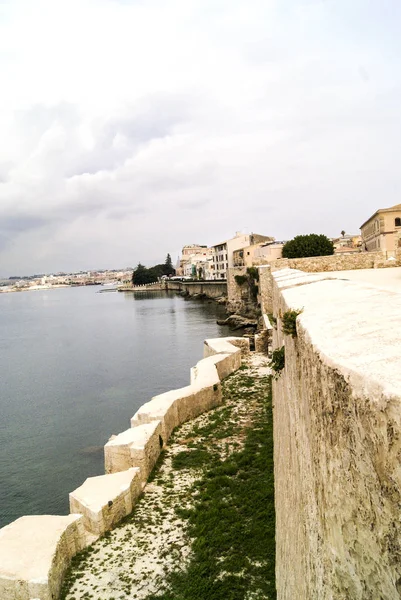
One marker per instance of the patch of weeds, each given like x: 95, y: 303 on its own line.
x: 273, y: 320
x: 190, y: 459
x: 277, y: 362
x: 289, y: 322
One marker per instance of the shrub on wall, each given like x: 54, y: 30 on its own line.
x: 240, y: 279
x: 289, y: 322
x: 251, y: 278
x: 277, y: 362
x: 303, y: 246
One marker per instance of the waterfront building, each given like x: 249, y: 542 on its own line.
x: 382, y: 231
x: 192, y: 256
x: 223, y: 253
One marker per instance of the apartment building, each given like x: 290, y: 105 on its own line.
x: 382, y: 231
x: 223, y: 253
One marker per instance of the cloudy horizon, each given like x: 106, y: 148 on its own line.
x: 131, y: 128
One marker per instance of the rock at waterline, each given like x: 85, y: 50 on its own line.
x: 237, y: 322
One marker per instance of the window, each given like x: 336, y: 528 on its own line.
x: 398, y: 222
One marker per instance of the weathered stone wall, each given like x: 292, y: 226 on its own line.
x: 337, y: 440
x: 236, y: 293
x: 320, y: 264
x: 210, y: 289
x: 336, y: 262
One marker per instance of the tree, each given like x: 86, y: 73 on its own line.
x: 308, y: 245
x: 168, y: 268
x: 143, y: 275
x: 342, y: 233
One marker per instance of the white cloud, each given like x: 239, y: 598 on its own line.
x: 129, y: 128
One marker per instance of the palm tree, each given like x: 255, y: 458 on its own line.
x: 343, y: 233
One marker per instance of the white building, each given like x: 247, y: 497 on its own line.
x: 223, y: 253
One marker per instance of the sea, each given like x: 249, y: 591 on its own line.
x: 75, y: 365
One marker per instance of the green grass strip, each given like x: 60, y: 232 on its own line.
x: 232, y: 524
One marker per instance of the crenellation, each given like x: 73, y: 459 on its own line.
x: 36, y: 551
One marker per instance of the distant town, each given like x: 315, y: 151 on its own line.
x: 380, y: 233
x: 57, y: 280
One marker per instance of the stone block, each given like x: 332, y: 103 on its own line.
x: 228, y: 345
x: 105, y: 500
x: 35, y: 552
x: 136, y: 447
x: 161, y: 408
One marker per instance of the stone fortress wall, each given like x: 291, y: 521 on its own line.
x: 337, y: 439
x: 35, y: 551
x: 319, y: 264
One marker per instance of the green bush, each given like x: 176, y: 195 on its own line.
x: 289, y: 322
x: 308, y: 245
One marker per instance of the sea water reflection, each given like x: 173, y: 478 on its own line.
x: 75, y: 366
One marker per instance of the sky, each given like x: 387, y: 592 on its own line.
x: 129, y: 128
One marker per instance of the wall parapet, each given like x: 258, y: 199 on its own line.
x: 337, y: 439
x: 35, y: 551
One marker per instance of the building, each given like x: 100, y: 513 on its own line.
x: 257, y: 254
x: 185, y: 263
x: 197, y: 265
x: 223, y: 253
x: 220, y: 261
x: 347, y: 243
x: 382, y: 231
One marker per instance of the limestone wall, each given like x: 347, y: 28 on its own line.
x: 236, y: 293
x: 320, y: 264
x: 36, y: 551
x: 337, y: 440
x: 210, y: 289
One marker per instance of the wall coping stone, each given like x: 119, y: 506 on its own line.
x: 358, y: 338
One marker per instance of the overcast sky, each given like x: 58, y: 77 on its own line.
x: 129, y: 128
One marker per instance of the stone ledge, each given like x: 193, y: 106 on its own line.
x: 35, y: 552
x: 348, y: 337
x: 105, y: 500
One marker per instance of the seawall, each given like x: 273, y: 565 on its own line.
x: 337, y: 439
x: 210, y: 289
x: 35, y: 551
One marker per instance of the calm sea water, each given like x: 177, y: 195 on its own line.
x: 75, y: 365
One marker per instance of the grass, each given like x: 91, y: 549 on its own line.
x: 232, y: 521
